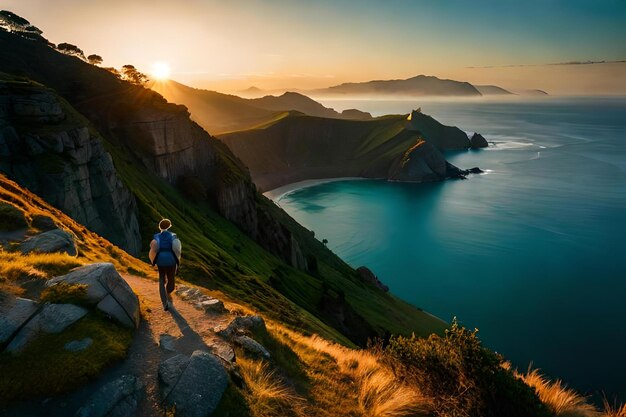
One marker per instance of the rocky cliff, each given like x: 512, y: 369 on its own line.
x: 45, y: 146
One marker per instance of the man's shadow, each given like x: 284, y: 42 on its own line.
x: 190, y: 340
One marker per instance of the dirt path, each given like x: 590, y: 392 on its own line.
x: 190, y: 328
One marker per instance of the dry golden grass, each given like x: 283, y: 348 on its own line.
x: 378, y: 392
x: 91, y: 247
x: 613, y: 410
x: 266, y: 393
x: 563, y: 401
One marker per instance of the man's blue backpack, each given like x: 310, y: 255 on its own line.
x: 165, y: 254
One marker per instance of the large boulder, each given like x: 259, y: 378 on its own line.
x: 14, y: 312
x: 107, y: 290
x: 118, y: 398
x: 52, y: 318
x: 48, y: 242
x: 194, y: 385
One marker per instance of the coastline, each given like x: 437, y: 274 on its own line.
x: 277, y: 194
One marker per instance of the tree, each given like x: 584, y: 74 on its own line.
x: 133, y: 75
x: 325, y: 242
x: 14, y: 23
x: 94, y: 59
x: 69, y: 49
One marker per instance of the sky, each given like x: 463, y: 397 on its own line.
x: 283, y: 44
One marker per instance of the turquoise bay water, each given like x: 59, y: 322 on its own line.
x: 533, y: 253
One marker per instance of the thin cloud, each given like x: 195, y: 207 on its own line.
x: 553, y: 63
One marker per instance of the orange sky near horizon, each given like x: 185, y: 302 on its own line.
x: 278, y: 45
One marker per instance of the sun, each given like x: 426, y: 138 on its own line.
x: 161, y: 70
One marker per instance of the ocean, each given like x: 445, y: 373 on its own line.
x: 532, y: 252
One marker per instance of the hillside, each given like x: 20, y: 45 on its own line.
x: 213, y: 346
x: 303, y: 147
x: 492, y: 90
x: 220, y: 113
x: 235, y: 239
x: 420, y: 85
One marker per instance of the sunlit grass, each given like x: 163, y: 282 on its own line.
x: 15, y: 266
x: 367, y: 386
x: 266, y: 394
x: 562, y: 401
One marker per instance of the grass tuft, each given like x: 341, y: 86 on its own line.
x: 64, y: 293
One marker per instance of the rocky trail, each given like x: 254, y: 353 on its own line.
x: 187, y: 327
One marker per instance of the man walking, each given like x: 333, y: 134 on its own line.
x: 165, y: 251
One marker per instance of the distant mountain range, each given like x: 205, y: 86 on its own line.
x: 418, y: 86
x: 219, y: 113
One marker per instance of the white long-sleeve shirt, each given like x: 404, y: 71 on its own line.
x: 176, y: 247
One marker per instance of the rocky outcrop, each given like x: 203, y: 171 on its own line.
x: 52, y: 318
x: 50, y: 242
x: 118, y: 398
x: 242, y: 325
x: 14, y: 313
x: 199, y: 300
x: 478, y: 141
x: 106, y: 290
x: 421, y: 163
x: 47, y: 147
x: 193, y: 385
x: 441, y: 136
x: 369, y: 277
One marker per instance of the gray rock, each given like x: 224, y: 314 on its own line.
x: 224, y: 351
x: 48, y: 242
x: 211, y: 305
x: 78, y: 345
x: 251, y: 346
x: 13, y: 314
x: 43, y: 223
x: 170, y: 372
x: 52, y: 318
x: 118, y: 398
x: 167, y: 342
x: 193, y: 385
x: 242, y: 324
x: 107, y: 290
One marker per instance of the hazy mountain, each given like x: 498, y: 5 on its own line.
x: 492, y: 90
x: 420, y: 85
x: 219, y: 113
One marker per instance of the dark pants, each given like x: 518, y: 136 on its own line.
x: 166, y: 282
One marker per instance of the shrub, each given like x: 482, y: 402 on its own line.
x: 462, y: 377
x: 11, y: 218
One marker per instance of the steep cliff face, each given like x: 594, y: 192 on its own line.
x: 46, y: 147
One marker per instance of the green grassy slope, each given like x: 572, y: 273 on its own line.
x: 299, y: 147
